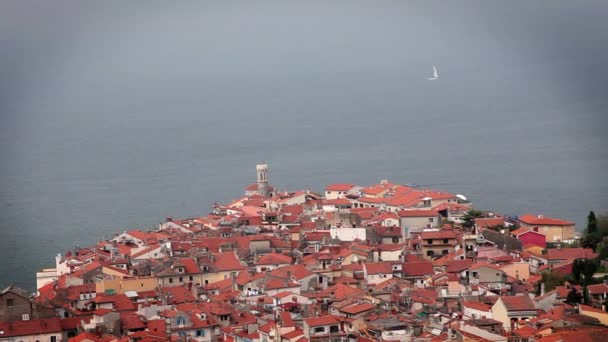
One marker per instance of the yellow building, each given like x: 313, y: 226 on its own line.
x: 590, y: 311
x: 126, y: 284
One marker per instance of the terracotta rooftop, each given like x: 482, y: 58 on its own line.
x: 518, y: 303
x: 541, y: 220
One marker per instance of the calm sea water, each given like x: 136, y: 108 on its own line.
x: 115, y: 117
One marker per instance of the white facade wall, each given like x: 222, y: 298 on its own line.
x: 348, y: 234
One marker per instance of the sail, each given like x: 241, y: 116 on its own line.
x: 435, y: 74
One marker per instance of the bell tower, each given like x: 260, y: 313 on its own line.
x: 262, y: 179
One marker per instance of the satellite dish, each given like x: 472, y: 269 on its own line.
x: 461, y: 197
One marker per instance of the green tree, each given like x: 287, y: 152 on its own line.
x: 586, y: 297
x: 574, y: 297
x: 591, y: 223
x: 552, y: 280
x: 468, y: 220
x: 583, y: 270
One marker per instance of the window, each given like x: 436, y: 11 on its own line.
x: 181, y: 320
x: 170, y: 280
x: 25, y: 317
x: 334, y: 329
x: 445, y: 240
x: 53, y: 338
x: 444, y: 252
x: 431, y: 219
x: 429, y: 241
x: 191, y: 278
x: 181, y: 279
x: 200, y: 333
x: 10, y: 302
x: 319, y: 329
x: 430, y: 253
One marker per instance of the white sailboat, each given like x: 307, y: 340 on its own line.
x: 435, y: 74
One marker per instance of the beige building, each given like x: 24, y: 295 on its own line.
x: 518, y: 270
x: 556, y: 230
x: 419, y: 218
x: 122, y: 285
x: 590, y: 311
x: 438, y: 243
x: 510, y: 310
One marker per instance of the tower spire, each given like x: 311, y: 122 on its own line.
x: 262, y: 179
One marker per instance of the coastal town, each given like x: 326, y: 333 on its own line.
x: 377, y: 262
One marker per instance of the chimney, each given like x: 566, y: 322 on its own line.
x: 233, y: 278
x: 540, y: 216
x: 542, y: 289
x: 289, y: 276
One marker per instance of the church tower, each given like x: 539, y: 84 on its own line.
x: 262, y: 171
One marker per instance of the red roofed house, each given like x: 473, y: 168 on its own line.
x: 476, y: 310
x: 556, y: 256
x: 590, y: 311
x: 438, y: 243
x: 271, y: 261
x: 530, y: 237
x: 335, y: 191
x: 377, y: 272
x: 48, y: 329
x: 511, y: 309
x: 322, y: 328
x: 419, y: 218
x: 487, y: 274
x: 417, y: 271
x: 355, y: 314
x: 554, y: 229
x: 598, y: 292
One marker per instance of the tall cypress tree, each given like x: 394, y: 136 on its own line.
x: 591, y: 223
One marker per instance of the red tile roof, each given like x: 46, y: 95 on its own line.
x: 227, y: 262
x: 33, y: 327
x: 570, y: 253
x: 477, y: 306
x: 543, y: 220
x: 441, y: 234
x: 359, y: 308
x: 339, y: 187
x: 454, y: 266
x: 417, y: 268
x: 598, y: 289
x: 298, y: 272
x: 518, y: 303
x: 525, y: 332
x: 378, y: 267
x: 337, y: 201
x: 318, y: 321
x: 388, y: 231
x: 486, y: 222
x: 418, y: 213
x: 274, y: 259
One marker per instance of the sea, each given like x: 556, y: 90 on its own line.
x: 115, y: 115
